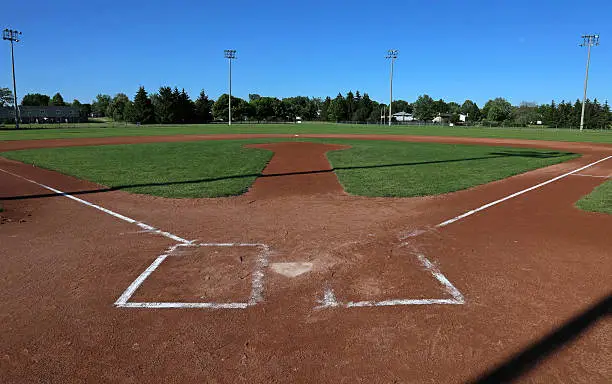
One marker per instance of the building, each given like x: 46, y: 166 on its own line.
x: 403, y: 116
x: 42, y: 115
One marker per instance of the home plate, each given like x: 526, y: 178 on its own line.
x: 291, y: 269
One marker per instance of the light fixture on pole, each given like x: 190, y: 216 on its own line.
x: 587, y: 41
x: 391, y: 54
x: 13, y: 36
x: 230, y: 54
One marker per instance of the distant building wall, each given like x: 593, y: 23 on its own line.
x: 49, y: 114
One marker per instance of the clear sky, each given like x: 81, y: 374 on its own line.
x: 520, y: 50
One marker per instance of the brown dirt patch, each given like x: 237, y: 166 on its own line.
x: 296, y: 169
x: 201, y: 274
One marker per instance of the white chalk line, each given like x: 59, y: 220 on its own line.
x: 146, y: 227
x: 581, y: 174
x: 330, y: 301
x: 482, y: 208
x: 257, y: 285
x: 122, y: 301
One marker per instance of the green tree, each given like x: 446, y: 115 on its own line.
x: 120, y: 107
x: 76, y: 103
x: 454, y: 108
x: 164, y: 104
x: 100, y: 105
x: 498, y: 109
x: 85, y: 111
x: 350, y: 105
x: 471, y: 110
x: 401, y: 106
x: 424, y: 108
x: 57, y: 100
x: 324, y: 112
x: 337, y: 109
x: 440, y: 106
x: 527, y: 113
x: 35, y: 100
x: 142, y: 111
x: 264, y: 108
x: 203, y: 108
x: 240, y: 108
x: 6, y: 97
x: 185, y: 108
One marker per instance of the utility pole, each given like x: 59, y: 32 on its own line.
x: 13, y: 36
x: 230, y: 54
x: 587, y: 41
x: 391, y: 54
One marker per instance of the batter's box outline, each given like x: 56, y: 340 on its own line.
x: 257, y: 286
x: 329, y: 298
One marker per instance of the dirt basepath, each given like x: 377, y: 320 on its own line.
x: 525, y: 267
x: 296, y: 169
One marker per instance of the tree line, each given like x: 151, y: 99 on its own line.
x: 173, y: 106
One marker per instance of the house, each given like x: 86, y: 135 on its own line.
x: 41, y: 115
x: 403, y: 116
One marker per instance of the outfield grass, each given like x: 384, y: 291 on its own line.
x: 600, y: 200
x: 386, y: 168
x: 192, y: 169
x: 130, y: 130
x: 224, y: 168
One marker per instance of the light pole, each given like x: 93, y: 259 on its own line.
x: 391, y: 54
x: 230, y: 54
x: 587, y: 41
x: 13, y: 36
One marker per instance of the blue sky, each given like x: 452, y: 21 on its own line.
x: 520, y: 50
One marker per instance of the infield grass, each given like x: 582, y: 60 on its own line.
x: 600, y: 200
x: 94, y: 130
x: 190, y: 169
x: 398, y: 169
x: 226, y: 168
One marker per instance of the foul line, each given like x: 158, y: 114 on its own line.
x: 604, y: 177
x: 482, y: 208
x: 257, y: 286
x: 142, y: 225
x: 330, y: 301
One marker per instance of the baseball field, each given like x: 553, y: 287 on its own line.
x: 312, y: 253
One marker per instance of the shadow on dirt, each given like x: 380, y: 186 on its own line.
x: 492, y: 155
x: 529, y: 358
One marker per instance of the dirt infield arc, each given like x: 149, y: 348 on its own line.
x: 525, y: 267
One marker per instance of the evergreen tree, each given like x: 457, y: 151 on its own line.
x: 142, y: 111
x: 58, y: 100
x: 203, y: 108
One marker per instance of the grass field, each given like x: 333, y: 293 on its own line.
x: 94, y: 130
x: 193, y: 169
x: 224, y: 168
x: 373, y: 168
x: 600, y: 200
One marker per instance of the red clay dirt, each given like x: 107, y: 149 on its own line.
x: 525, y: 267
x: 296, y: 169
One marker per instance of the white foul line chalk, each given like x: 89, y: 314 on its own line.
x: 257, y: 285
x: 142, y: 225
x: 329, y: 299
x: 581, y: 174
x: 482, y: 208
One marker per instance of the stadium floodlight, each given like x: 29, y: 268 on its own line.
x: 230, y: 54
x: 587, y: 41
x: 391, y: 54
x: 13, y: 36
